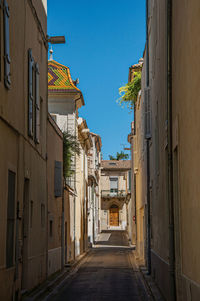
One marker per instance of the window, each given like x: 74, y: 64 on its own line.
x: 113, y: 184
x: 129, y: 180
x: 41, y: 112
x: 33, y: 99
x: 10, y: 220
x: 58, y: 179
x: 30, y: 92
x: 7, y: 60
x: 37, y: 105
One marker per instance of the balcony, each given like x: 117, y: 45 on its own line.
x: 114, y: 193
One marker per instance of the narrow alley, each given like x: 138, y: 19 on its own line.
x: 108, y: 273
x: 99, y: 150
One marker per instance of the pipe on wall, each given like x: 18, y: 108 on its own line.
x: 170, y: 155
x: 148, y: 234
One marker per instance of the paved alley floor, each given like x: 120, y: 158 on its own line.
x: 107, y: 273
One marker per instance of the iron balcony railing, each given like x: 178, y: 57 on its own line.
x: 114, y: 193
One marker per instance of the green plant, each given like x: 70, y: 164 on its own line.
x: 119, y: 156
x: 70, y: 149
x: 130, y: 91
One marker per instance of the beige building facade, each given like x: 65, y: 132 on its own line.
x: 64, y: 101
x: 55, y: 196
x: 185, y: 146
x: 139, y: 164
x: 23, y: 117
x: 115, y: 194
x: 94, y: 188
x: 81, y: 235
x: 168, y: 127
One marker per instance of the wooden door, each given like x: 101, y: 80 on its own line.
x: 114, y: 217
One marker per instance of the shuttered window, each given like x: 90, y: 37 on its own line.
x: 58, y: 179
x: 129, y: 180
x: 7, y: 60
x: 113, y: 184
x: 33, y: 98
x: 30, y: 92
x: 37, y: 105
x: 10, y: 220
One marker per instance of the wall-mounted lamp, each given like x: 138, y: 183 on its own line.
x: 56, y: 40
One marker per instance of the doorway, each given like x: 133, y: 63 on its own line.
x: 114, y: 216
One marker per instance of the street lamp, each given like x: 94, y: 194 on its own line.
x: 56, y: 40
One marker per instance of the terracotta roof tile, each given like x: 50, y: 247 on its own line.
x: 59, y: 78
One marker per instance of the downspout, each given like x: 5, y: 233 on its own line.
x: 148, y: 240
x: 75, y: 188
x: 63, y: 226
x: 84, y: 193
x: 170, y: 157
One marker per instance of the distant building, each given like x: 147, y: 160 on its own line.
x: 115, y: 194
x: 94, y: 199
x: 64, y: 100
x: 55, y: 192
x: 138, y: 163
x: 81, y: 230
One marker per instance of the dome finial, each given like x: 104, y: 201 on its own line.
x: 51, y: 54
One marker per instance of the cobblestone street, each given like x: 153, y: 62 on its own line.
x: 108, y: 273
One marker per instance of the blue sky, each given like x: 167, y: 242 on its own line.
x: 103, y: 39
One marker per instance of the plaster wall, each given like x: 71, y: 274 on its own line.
x: 55, y: 153
x: 186, y: 144
x: 19, y: 153
x: 159, y: 208
x: 105, y: 180
x: 107, y: 202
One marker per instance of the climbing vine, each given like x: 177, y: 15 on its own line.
x: 130, y: 91
x: 70, y: 149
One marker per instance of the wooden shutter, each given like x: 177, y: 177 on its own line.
x: 10, y: 220
x: 129, y: 180
x: 147, y: 113
x: 7, y: 61
x: 37, y: 104
x: 113, y: 184
x: 30, y: 92
x: 58, y: 179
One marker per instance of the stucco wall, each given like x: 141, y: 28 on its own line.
x: 112, y: 199
x: 20, y: 153
x: 54, y: 153
x: 186, y: 128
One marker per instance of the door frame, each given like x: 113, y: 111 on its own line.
x: 114, y: 206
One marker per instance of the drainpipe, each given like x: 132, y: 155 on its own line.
x: 170, y: 155
x: 75, y: 191
x: 148, y: 240
x: 63, y: 227
x: 84, y: 203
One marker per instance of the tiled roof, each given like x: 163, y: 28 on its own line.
x: 59, y: 78
x: 115, y: 164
